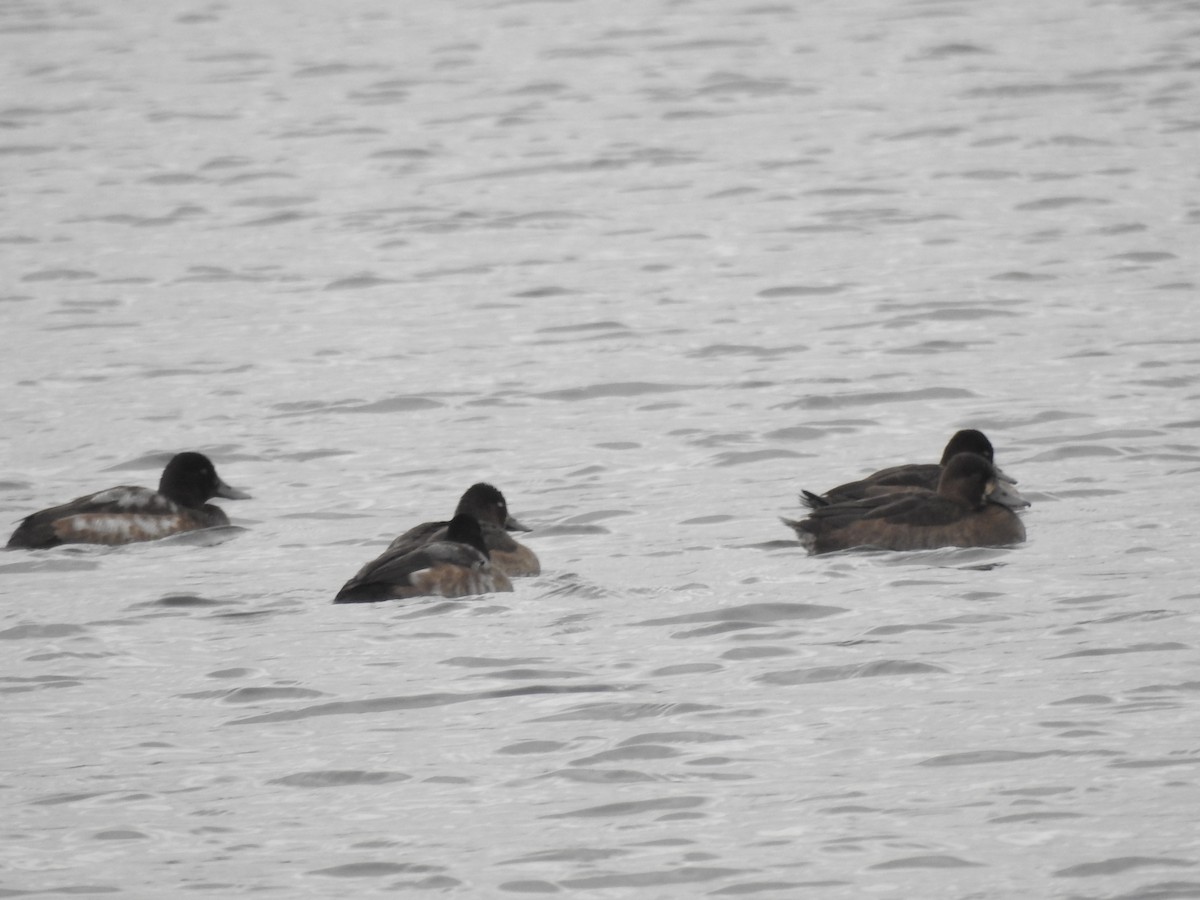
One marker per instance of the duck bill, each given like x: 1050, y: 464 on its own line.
x: 511, y: 524
x: 228, y: 492
x: 1005, y: 494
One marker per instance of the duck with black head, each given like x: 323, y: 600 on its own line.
x: 972, y: 507
x: 486, y: 504
x: 909, y: 476
x: 127, y: 514
x: 454, y: 565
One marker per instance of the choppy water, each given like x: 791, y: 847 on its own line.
x: 651, y: 268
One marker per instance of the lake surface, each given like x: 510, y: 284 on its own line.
x: 651, y: 268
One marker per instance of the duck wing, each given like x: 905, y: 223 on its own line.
x: 53, y: 526
x: 912, y: 476
x: 419, y: 535
x: 400, y: 568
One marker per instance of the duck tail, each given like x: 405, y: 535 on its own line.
x: 813, y: 501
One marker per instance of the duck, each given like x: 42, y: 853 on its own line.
x: 454, y: 565
x: 911, y: 476
x: 973, y: 506
x: 485, y: 503
x: 127, y: 514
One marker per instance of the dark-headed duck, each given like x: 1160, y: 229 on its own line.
x: 487, y: 504
x: 972, y: 507
x: 124, y: 515
x: 913, y: 476
x: 455, y: 565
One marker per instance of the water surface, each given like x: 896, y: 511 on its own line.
x: 651, y: 268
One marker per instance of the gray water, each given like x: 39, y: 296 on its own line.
x: 651, y: 268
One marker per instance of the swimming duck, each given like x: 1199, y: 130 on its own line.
x: 922, y: 476
x: 972, y: 507
x: 455, y: 565
x: 487, y: 504
x: 124, y: 515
